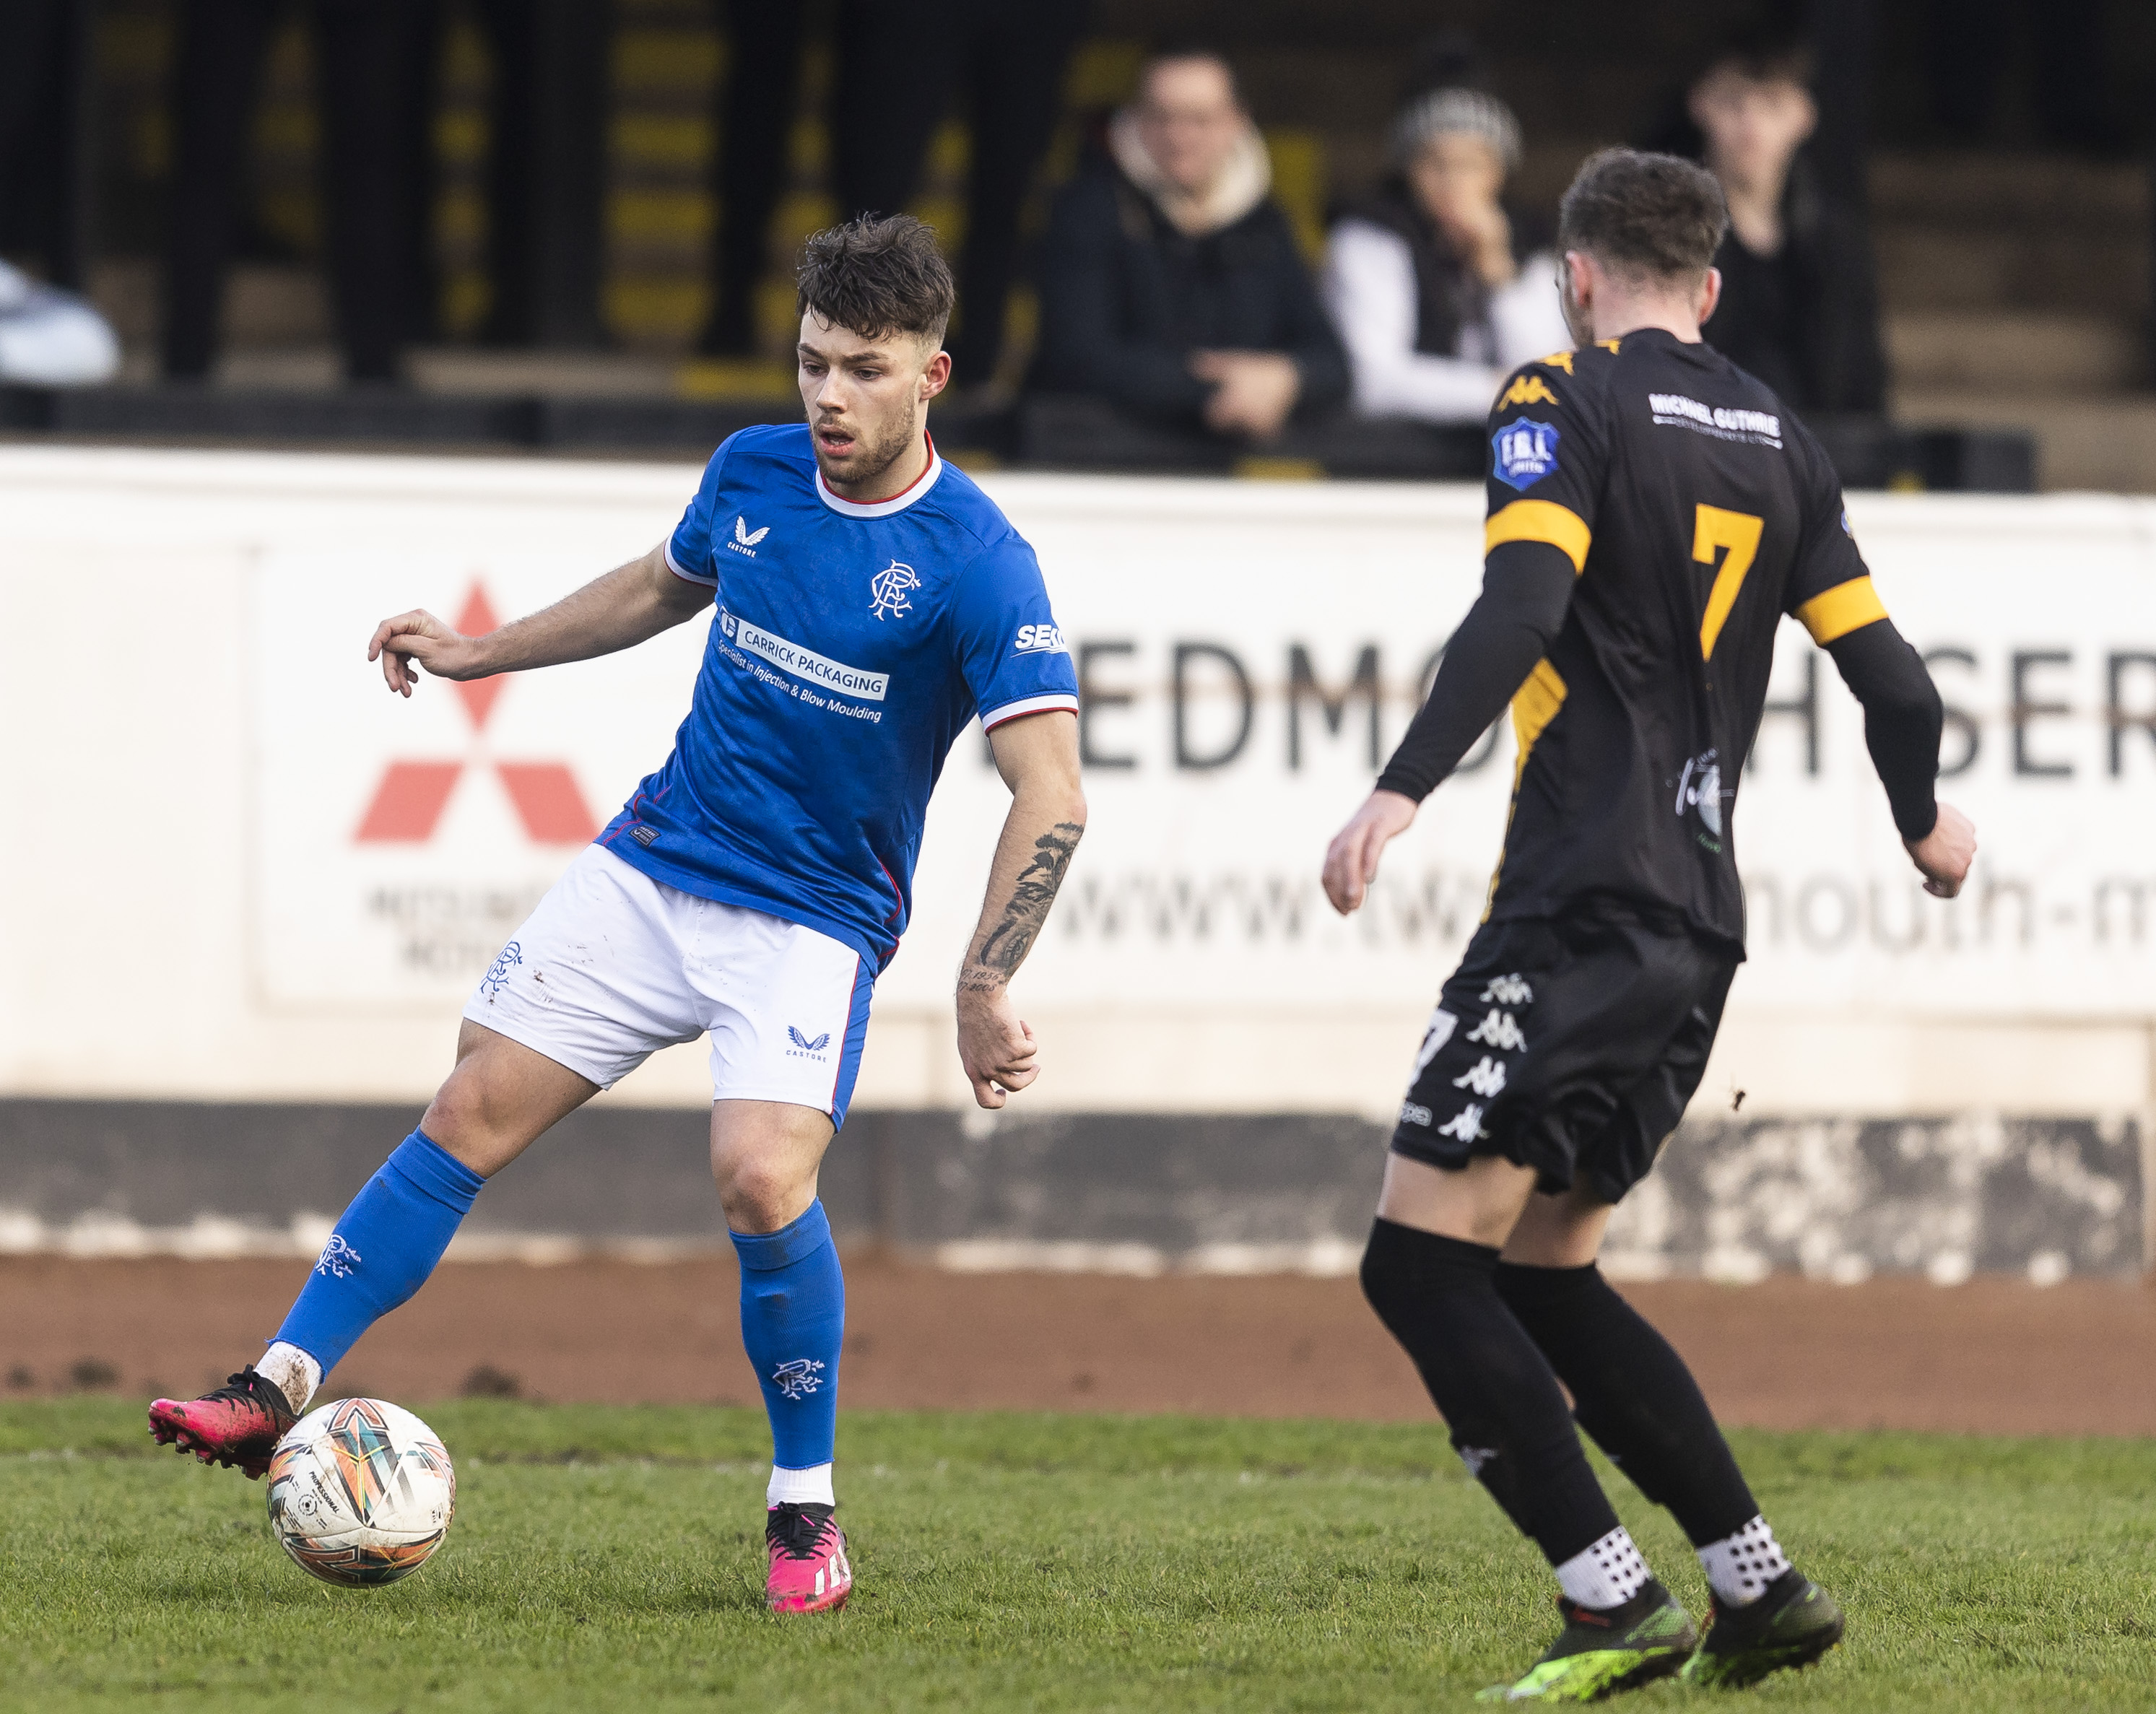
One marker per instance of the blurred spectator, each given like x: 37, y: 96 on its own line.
x: 359, y: 49
x: 1171, y: 284
x: 50, y: 338
x: 1799, y: 288
x: 1437, y: 286
x: 899, y: 62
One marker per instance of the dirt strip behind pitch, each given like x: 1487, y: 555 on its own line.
x: 1991, y: 1356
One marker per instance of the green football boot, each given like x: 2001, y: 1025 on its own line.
x: 1604, y: 1650
x: 1792, y: 1623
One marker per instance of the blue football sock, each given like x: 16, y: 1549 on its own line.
x: 793, y: 1316
x: 383, y: 1248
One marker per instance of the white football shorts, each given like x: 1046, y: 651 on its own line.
x: 612, y: 966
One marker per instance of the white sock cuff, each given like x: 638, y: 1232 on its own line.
x: 298, y: 1376
x: 799, y: 1487
x: 1739, y: 1567
x: 1604, y: 1573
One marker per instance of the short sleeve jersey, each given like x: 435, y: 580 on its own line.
x: 852, y: 645
x: 1697, y: 512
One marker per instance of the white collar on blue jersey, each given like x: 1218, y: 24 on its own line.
x: 898, y: 502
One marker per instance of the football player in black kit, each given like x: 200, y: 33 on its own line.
x: 1654, y: 512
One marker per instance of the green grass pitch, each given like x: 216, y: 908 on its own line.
x: 611, y: 1560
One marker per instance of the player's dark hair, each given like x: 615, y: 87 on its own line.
x: 875, y: 276
x: 1762, y: 55
x: 1639, y: 214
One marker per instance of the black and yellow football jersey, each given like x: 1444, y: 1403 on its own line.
x: 1696, y: 512
x: 1654, y: 513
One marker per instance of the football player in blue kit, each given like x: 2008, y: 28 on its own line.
x: 871, y: 603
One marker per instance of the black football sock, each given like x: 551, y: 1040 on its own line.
x: 1633, y: 1393
x: 1439, y: 1298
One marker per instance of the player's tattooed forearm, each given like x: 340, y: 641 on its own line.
x: 1004, y: 947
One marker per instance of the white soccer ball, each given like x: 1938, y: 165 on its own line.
x: 361, y: 1492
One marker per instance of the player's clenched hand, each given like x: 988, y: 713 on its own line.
x: 1945, y: 853
x: 1351, y: 860
x: 419, y: 638
x: 997, y: 1049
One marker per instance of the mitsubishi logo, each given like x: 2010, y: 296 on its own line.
x: 408, y: 805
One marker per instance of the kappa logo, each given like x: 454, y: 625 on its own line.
x: 1486, y: 1077
x: 806, y: 1045
x: 1525, y: 452
x: 1500, y: 1030
x: 338, y: 1258
x: 889, y: 588
x: 797, y: 1377
x: 1527, y: 390
x: 1508, y: 991
x: 745, y: 539
x: 1465, y: 1125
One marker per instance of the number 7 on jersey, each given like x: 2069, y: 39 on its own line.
x: 1737, y: 534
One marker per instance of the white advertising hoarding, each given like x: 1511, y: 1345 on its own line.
x: 214, y: 788
x: 1249, y: 656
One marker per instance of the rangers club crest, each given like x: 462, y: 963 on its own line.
x: 1525, y: 452
x: 888, y: 590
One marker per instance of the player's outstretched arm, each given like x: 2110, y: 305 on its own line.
x: 1037, y: 754
x: 628, y: 604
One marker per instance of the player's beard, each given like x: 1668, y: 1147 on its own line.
x: 873, y: 457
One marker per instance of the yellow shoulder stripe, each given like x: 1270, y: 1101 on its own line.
x: 1846, y: 607
x: 1540, y: 520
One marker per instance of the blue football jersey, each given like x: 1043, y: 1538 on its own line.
x: 852, y: 645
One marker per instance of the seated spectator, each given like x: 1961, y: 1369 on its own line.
x: 1800, y: 303
x: 51, y: 338
x: 1437, y: 286
x: 1171, y: 285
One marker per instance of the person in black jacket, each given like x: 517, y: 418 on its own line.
x: 1799, y: 287
x: 1171, y: 284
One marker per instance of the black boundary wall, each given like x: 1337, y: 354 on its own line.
x: 1259, y: 1192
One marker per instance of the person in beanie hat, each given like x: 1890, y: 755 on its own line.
x: 1437, y: 286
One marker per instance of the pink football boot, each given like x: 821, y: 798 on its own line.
x: 240, y: 1423
x: 809, y: 1569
